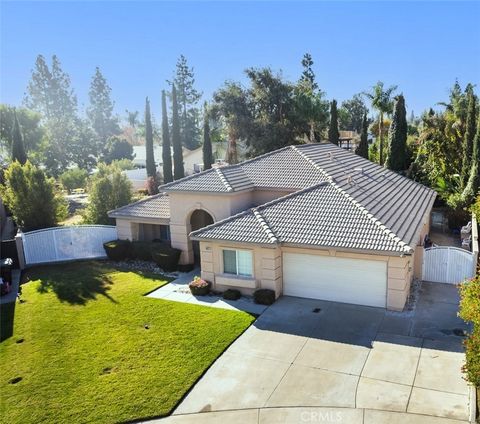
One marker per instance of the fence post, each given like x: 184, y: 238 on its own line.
x: 20, y: 250
x: 474, y: 243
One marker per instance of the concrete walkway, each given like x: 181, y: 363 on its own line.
x: 178, y: 291
x: 305, y: 356
x: 301, y: 415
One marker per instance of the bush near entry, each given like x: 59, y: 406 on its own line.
x: 470, y: 311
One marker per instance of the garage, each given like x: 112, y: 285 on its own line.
x: 357, y: 281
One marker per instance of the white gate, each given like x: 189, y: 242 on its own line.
x: 443, y: 264
x: 66, y: 243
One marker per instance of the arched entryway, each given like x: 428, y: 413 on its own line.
x: 199, y: 219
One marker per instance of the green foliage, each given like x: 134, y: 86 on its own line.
x: 31, y: 197
x: 117, y: 149
x: 109, y: 189
x: 476, y: 208
x: 207, y: 142
x: 351, y: 113
x: 470, y: 311
x: 123, y: 164
x: 18, y: 148
x: 29, y: 122
x: 307, y: 78
x: 264, y: 296
x: 333, y: 134
x: 362, y: 148
x: 90, y: 329
x: 74, y: 178
x: 178, y: 170
x: 166, y: 148
x: 381, y: 99
x: 473, y: 183
x: 469, y: 134
x: 187, y: 98
x: 100, y: 110
x: 397, y: 156
x: 150, y: 160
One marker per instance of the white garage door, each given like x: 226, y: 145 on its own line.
x: 337, y: 279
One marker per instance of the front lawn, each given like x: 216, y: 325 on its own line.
x: 87, y: 346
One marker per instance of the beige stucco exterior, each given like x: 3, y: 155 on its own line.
x: 267, y: 269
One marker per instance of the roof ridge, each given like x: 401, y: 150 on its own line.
x: 187, y: 177
x: 357, y: 204
x: 224, y: 180
x: 146, y: 199
x: 263, y: 223
x: 313, y: 163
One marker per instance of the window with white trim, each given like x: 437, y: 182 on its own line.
x: 238, y: 262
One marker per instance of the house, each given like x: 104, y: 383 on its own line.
x: 313, y: 220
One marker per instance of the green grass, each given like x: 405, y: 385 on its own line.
x: 83, y: 354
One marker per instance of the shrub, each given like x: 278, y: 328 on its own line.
x: 232, y: 294
x: 470, y: 311
x: 109, y: 189
x: 74, y: 178
x: 199, y: 287
x: 117, y: 250
x: 143, y: 249
x: 264, y: 296
x: 167, y: 258
x: 31, y: 197
x: 117, y: 148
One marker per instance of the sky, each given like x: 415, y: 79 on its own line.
x: 420, y: 46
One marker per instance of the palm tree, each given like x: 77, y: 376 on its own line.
x: 381, y: 99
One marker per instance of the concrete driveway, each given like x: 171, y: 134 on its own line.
x: 304, y: 355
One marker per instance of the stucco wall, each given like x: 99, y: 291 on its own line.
x: 418, y: 254
x: 268, y: 269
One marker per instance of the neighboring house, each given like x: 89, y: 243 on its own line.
x: 312, y: 221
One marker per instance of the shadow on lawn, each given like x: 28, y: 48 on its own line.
x: 7, y: 312
x: 76, y: 285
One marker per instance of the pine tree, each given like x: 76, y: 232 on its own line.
x: 362, y: 148
x: 207, y: 142
x: 333, y: 134
x: 150, y: 159
x: 308, y: 76
x: 178, y: 170
x: 397, y: 145
x: 187, y: 98
x: 166, y: 149
x: 469, y: 136
x: 18, y: 148
x: 100, y: 110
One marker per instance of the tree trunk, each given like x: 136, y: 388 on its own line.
x: 380, y: 136
x: 232, y: 156
x: 312, y: 132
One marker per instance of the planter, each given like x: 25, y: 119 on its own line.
x: 117, y: 250
x: 199, y: 287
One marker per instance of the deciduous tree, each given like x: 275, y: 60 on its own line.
x: 351, y: 114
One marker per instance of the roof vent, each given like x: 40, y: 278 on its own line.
x: 349, y: 179
x: 331, y: 155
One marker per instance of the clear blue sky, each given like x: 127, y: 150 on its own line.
x: 421, y: 46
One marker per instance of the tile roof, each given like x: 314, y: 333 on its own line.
x: 321, y: 215
x: 397, y: 203
x: 156, y: 207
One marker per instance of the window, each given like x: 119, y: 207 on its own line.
x: 238, y: 262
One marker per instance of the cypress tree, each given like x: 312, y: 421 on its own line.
x: 362, y: 148
x: 397, y: 137
x: 18, y: 148
x: 207, y: 142
x: 333, y: 134
x: 469, y: 136
x: 178, y: 170
x: 473, y: 184
x: 150, y: 160
x: 166, y: 150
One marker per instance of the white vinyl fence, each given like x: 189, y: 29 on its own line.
x: 66, y: 243
x: 444, y: 264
